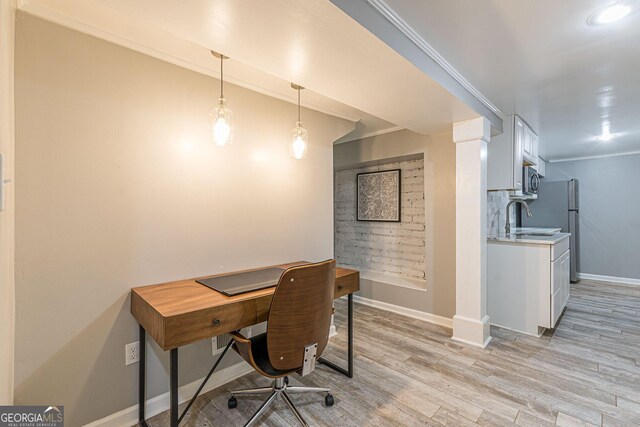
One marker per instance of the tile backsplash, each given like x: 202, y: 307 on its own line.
x: 496, y: 212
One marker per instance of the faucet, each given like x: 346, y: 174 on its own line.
x: 507, y: 227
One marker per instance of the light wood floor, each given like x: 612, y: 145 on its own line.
x: 408, y: 372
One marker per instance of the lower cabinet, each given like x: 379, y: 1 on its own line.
x: 527, y: 284
x: 560, y: 281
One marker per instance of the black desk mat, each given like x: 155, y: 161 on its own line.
x: 239, y: 283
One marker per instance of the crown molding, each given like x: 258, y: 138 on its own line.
x: 390, y: 15
x: 370, y: 134
x: 602, y: 156
x: 156, y: 49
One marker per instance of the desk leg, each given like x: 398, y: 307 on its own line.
x: 350, y: 345
x: 173, y: 383
x: 348, y: 372
x: 142, y: 377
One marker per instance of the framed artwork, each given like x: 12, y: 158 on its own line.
x: 378, y: 196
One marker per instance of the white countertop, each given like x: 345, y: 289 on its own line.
x: 527, y: 230
x: 528, y: 238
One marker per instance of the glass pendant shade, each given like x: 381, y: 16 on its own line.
x: 299, y: 142
x: 221, y: 121
x: 221, y: 117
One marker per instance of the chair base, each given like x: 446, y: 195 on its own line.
x: 280, y: 388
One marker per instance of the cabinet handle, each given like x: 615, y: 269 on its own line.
x: 216, y: 322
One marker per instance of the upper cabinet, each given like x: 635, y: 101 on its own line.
x: 541, y: 167
x: 530, y: 147
x: 517, y: 146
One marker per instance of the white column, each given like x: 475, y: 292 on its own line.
x: 471, y: 322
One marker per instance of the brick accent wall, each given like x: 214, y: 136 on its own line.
x: 396, y: 249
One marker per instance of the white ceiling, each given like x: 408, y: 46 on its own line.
x: 537, y: 58
x: 347, y: 70
x: 540, y: 59
x: 314, y: 44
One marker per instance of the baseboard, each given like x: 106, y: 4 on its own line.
x: 612, y: 279
x: 475, y: 344
x: 472, y: 331
x: 332, y: 331
x: 158, y: 404
x: 409, y: 312
x: 518, y: 331
x: 388, y: 279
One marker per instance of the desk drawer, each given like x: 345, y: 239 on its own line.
x: 347, y: 284
x: 194, y: 326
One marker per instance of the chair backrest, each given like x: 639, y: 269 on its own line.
x: 300, y: 313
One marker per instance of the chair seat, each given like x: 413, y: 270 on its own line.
x: 260, y: 356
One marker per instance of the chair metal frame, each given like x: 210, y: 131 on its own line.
x: 280, y: 388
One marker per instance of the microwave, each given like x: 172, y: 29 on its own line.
x: 530, y: 181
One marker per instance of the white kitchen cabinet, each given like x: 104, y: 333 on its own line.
x: 508, y: 152
x: 530, y: 147
x: 528, y: 282
x: 541, y: 167
x: 504, y: 156
x: 560, y: 281
x: 527, y: 146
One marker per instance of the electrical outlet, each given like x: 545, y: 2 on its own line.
x: 132, y: 353
x: 214, y: 346
x: 219, y: 343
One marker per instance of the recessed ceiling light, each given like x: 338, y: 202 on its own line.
x: 606, y: 134
x: 604, y: 137
x: 612, y: 13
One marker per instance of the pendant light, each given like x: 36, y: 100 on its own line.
x: 299, y: 135
x: 221, y: 117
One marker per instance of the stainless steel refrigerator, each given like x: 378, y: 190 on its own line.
x: 558, y: 206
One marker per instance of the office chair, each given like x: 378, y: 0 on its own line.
x: 297, y: 334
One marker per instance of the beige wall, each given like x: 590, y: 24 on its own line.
x: 7, y: 296
x: 118, y: 185
x: 440, y: 210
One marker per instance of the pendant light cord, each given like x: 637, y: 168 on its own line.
x: 298, y: 103
x: 221, y: 77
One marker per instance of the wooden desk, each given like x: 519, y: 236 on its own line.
x: 185, y: 311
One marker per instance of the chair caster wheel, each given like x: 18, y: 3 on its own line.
x: 233, y: 402
x: 286, y: 380
x: 328, y: 400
